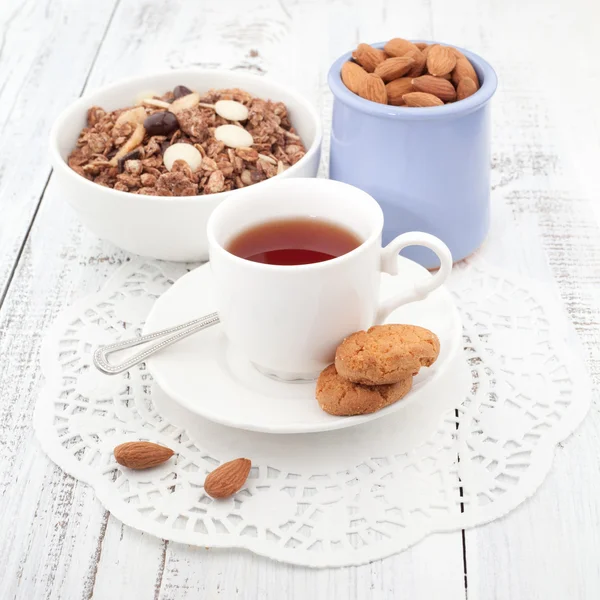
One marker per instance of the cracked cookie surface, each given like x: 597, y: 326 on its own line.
x: 340, y: 397
x: 386, y: 354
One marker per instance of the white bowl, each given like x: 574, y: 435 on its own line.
x: 169, y: 228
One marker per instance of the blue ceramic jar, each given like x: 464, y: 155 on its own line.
x: 429, y: 168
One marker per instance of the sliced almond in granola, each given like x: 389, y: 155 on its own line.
x: 184, y: 152
x: 156, y: 102
x: 134, y: 116
x: 233, y: 136
x: 144, y: 95
x: 184, y: 102
x: 289, y: 134
x: 136, y: 138
x: 246, y: 177
x: 231, y: 110
x: 267, y: 159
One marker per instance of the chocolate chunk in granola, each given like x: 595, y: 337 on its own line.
x: 161, y: 123
x: 180, y: 91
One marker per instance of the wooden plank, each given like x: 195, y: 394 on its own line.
x: 46, y: 51
x: 212, y: 573
x: 545, y: 225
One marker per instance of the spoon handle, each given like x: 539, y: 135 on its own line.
x: 165, y: 338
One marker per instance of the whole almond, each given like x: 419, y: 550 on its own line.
x: 421, y: 45
x: 398, y: 88
x: 426, y: 50
x: 372, y: 88
x: 419, y: 65
x: 437, y: 86
x: 141, y: 455
x: 466, y: 87
x: 421, y: 99
x: 440, y: 60
x: 368, y: 57
x: 352, y: 74
x: 227, y: 479
x: 399, y: 47
x: 463, y: 69
x: 394, y: 67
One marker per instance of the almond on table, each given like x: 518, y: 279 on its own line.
x: 429, y: 74
x: 227, y: 479
x: 141, y: 455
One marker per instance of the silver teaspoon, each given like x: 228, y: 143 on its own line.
x: 165, y: 338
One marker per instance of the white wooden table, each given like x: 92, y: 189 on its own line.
x: 56, y: 540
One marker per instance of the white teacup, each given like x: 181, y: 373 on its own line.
x: 288, y: 320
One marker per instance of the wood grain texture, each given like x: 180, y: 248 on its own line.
x: 58, y: 542
x: 47, y: 48
x: 545, y: 226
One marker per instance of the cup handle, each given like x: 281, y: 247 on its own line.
x: 420, y: 290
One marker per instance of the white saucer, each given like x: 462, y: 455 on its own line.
x: 210, y: 378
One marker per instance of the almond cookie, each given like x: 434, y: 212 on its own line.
x: 386, y: 354
x: 338, y: 396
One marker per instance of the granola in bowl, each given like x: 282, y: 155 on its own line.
x: 184, y: 143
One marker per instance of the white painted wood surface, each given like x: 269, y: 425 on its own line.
x: 57, y: 542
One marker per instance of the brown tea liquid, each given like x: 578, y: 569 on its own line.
x: 295, y: 241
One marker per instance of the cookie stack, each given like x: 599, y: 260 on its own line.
x: 375, y: 368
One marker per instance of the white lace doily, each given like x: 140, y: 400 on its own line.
x: 330, y: 499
